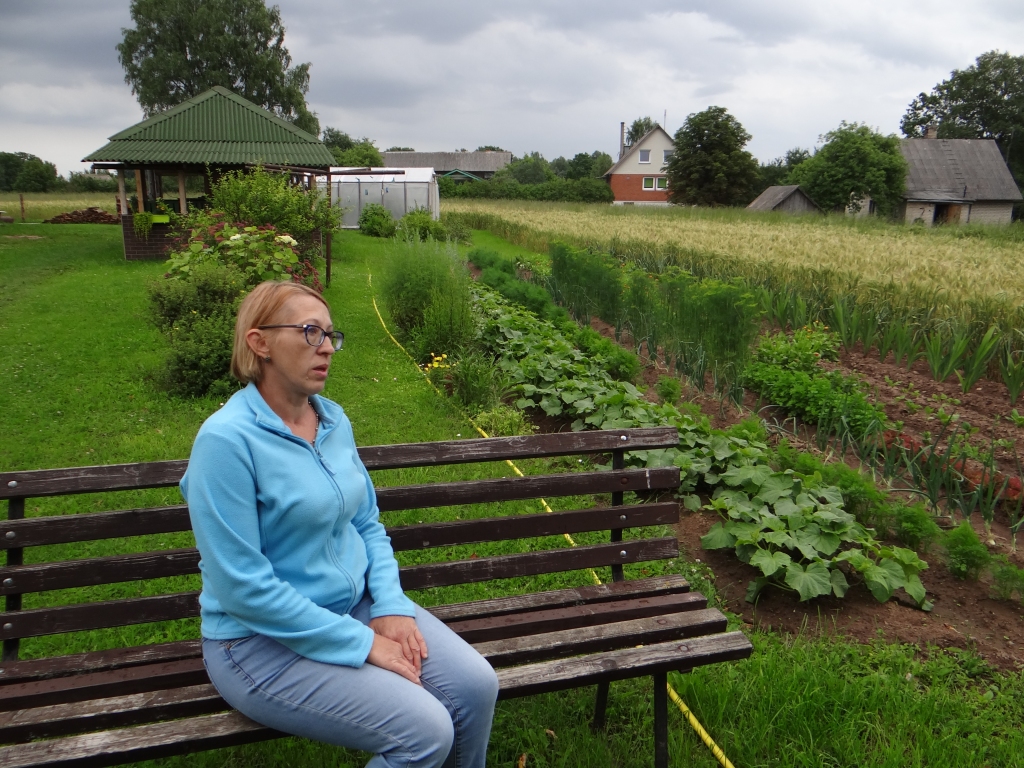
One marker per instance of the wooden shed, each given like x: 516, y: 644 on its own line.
x: 786, y: 199
x: 208, y: 135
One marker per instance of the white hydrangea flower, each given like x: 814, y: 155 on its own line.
x: 287, y: 239
x: 235, y: 237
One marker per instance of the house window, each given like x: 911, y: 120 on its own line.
x: 667, y: 156
x: 645, y: 155
x: 662, y: 182
x: 648, y: 182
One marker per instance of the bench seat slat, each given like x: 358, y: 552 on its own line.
x: 91, y: 526
x: 576, y: 616
x: 601, y: 637
x: 531, y: 487
x: 118, y: 658
x: 157, y: 474
x: 232, y: 728
x: 534, y: 563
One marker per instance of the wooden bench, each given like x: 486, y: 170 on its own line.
x: 118, y: 705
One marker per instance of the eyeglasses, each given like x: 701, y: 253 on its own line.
x: 314, y: 334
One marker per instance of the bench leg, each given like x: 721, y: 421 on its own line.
x: 600, y: 705
x: 660, y: 720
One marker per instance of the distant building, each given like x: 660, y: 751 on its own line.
x: 638, y: 178
x: 459, y: 166
x: 786, y: 199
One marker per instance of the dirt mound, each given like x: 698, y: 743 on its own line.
x: 85, y: 216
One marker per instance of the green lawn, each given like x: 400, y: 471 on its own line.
x: 80, y: 360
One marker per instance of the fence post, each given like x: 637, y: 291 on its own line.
x: 22, y: 199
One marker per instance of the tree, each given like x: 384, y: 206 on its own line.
x: 600, y: 162
x: 399, y: 149
x: 640, y: 128
x: 778, y: 170
x: 984, y: 101
x: 335, y: 139
x: 709, y: 165
x: 580, y: 167
x: 560, y: 167
x: 36, y: 176
x: 490, y: 148
x: 10, y: 166
x: 362, y: 154
x: 529, y: 169
x: 180, y: 48
x: 854, y: 162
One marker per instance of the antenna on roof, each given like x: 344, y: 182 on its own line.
x: 664, y: 120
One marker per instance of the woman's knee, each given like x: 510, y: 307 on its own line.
x: 435, y: 734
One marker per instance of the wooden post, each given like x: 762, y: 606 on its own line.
x: 330, y: 236
x: 122, y: 196
x: 660, y: 719
x: 12, y: 603
x: 182, y: 200
x: 140, y: 190
x: 22, y: 199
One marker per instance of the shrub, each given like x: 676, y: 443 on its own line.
x: 802, y: 351
x: 412, y: 273
x: 563, y: 190
x: 668, y: 389
x: 420, y: 225
x: 1007, y: 580
x: 621, y: 364
x: 376, y: 221
x: 504, y: 421
x: 197, y: 313
x: 474, y: 381
x: 448, y: 323
x: 966, y: 557
x: 915, y: 526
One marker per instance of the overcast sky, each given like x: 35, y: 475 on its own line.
x: 555, y: 76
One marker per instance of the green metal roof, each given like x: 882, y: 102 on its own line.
x: 216, y: 127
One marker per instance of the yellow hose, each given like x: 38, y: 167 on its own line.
x: 687, y: 713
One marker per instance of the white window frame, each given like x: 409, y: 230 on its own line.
x: 652, y: 188
x: 640, y: 156
x: 661, y: 183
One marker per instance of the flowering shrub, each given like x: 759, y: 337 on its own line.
x: 260, y: 253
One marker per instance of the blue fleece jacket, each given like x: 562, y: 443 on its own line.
x: 288, y: 533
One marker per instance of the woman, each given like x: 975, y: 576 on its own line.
x: 305, y: 625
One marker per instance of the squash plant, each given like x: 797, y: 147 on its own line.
x: 795, y: 530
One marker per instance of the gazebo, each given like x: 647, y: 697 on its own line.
x: 206, y: 136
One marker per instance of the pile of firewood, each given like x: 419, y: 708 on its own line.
x: 86, y: 216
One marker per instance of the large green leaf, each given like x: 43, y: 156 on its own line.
x: 839, y: 583
x: 916, y: 589
x: 775, y: 487
x: 770, y: 562
x: 812, y: 581
x: 717, y: 538
x: 754, y: 474
x: 754, y: 588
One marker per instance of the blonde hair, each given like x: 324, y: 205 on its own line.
x: 262, y: 307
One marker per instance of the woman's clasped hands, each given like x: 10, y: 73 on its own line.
x: 398, y: 646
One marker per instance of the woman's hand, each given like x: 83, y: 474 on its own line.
x: 403, y: 631
x: 387, y: 654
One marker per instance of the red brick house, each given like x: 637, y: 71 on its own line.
x: 638, y: 178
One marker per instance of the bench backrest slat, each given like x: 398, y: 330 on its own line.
x: 68, y: 574
x: 91, y: 526
x: 159, y: 474
x: 143, y: 610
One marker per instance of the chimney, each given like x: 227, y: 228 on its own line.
x: 622, y: 140
x: 931, y: 131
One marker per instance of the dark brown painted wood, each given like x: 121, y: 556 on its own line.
x: 679, y: 655
x: 15, y: 557
x: 536, y: 622
x: 61, y: 529
x: 530, y: 526
x: 157, y: 474
x: 115, y: 613
x: 533, y: 563
x: 116, y: 712
x: 601, y: 637
x: 498, y: 606
x: 98, y: 661
x: 98, y: 570
x: 531, y: 487
x: 143, y: 742
x: 102, y: 685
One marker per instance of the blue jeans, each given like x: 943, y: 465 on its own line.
x: 446, y: 722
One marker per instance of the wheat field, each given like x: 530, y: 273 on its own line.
x: 957, y: 264
x: 45, y: 205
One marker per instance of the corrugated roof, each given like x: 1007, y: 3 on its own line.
x: 217, y: 126
x: 774, y: 196
x: 442, y: 162
x: 941, y: 170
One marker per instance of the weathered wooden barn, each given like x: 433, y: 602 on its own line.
x: 785, y: 199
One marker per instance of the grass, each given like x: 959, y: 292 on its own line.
x: 80, y: 356
x: 45, y: 205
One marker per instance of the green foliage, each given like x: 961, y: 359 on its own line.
x: 421, y: 225
x: 412, y: 274
x: 587, y: 284
x: 92, y: 182
x: 532, y: 168
x: 476, y: 384
x: 259, y: 197
x: 800, y: 352
x: 777, y: 171
x: 1007, y: 580
x: 142, y: 223
x: 178, y: 49
x: 584, y: 190
x: 914, y: 525
x: 11, y: 164
x: 336, y: 139
x: 499, y: 272
x: 668, y: 389
x: 620, y: 363
x: 966, y: 556
x: 35, y: 175
x: 854, y: 163
x: 259, y: 253
x: 448, y: 324
x: 983, y: 101
x: 582, y: 165
x: 1011, y: 369
x: 709, y: 165
x: 362, y: 154
x: 504, y: 421
x: 376, y: 221
x: 446, y: 187
x: 638, y: 129
x: 197, y: 314
x: 796, y: 532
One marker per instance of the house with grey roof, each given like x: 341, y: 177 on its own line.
x: 459, y: 166
x: 785, y: 199
x: 956, y: 181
